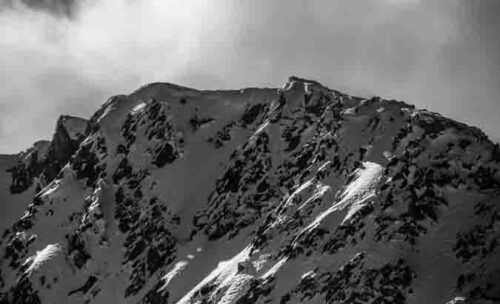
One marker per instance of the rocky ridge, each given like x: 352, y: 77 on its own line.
x: 295, y: 195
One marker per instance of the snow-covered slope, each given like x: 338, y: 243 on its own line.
x: 294, y: 195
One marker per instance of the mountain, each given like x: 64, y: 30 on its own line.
x: 32, y: 169
x: 301, y: 194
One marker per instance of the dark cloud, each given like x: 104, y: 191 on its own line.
x: 63, y: 8
x: 442, y: 55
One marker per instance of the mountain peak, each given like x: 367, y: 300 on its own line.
x: 261, y: 195
x: 73, y: 125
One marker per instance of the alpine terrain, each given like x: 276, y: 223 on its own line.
x: 301, y: 194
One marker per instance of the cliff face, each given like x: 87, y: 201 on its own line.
x: 41, y: 163
x: 294, y: 195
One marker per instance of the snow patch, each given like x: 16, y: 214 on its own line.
x: 456, y: 300
x: 297, y: 191
x: 261, y: 260
x: 324, y: 166
x: 349, y: 111
x: 138, y: 108
x: 356, y: 194
x: 320, y: 190
x: 41, y: 257
x: 388, y: 155
x: 272, y: 271
x: 106, y: 112
x: 307, y: 88
x: 237, y: 286
x: 261, y: 128
x: 176, y: 270
x: 224, y: 276
x: 309, y: 274
x: 50, y: 188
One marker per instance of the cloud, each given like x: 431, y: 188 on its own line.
x: 61, y: 8
x: 52, y: 65
x: 420, y: 51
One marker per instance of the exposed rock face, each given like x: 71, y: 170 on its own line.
x: 45, y: 159
x: 294, y: 195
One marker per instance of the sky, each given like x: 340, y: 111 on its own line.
x: 68, y: 56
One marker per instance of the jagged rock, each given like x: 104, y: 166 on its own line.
x: 45, y: 159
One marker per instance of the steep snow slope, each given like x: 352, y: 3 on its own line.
x: 294, y: 195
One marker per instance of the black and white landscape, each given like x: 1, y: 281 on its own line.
x: 298, y: 193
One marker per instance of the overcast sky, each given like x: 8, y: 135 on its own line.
x: 60, y: 58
